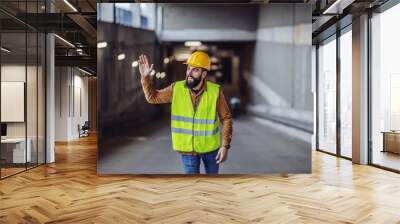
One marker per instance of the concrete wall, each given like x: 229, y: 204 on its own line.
x: 148, y: 10
x: 105, y: 12
x: 277, y: 67
x: 121, y: 102
x: 205, y: 22
x: 71, y: 102
x: 281, y: 71
x: 134, y: 8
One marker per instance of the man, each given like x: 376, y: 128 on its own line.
x: 198, y: 107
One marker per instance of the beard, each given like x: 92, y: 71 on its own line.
x: 192, y: 84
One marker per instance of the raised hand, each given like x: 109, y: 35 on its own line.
x: 144, y: 67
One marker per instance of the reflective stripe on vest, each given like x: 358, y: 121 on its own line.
x: 195, y: 131
x: 196, y: 121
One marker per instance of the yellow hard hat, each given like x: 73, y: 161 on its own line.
x: 199, y: 59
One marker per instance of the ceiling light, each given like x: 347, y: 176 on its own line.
x: 5, y: 50
x: 152, y: 72
x: 214, y: 67
x: 214, y: 59
x: 65, y: 41
x: 70, y: 5
x: 102, y: 44
x: 86, y: 72
x: 202, y: 48
x: 166, y: 60
x: 182, y: 56
x: 78, y: 50
x: 162, y: 75
x: 192, y: 43
x: 135, y: 64
x: 335, y: 4
x: 121, y: 57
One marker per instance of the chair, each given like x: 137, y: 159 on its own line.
x: 84, y: 130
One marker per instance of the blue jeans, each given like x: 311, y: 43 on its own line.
x: 191, y: 163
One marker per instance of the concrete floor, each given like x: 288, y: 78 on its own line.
x: 255, y: 149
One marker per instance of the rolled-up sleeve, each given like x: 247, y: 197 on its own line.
x: 153, y: 95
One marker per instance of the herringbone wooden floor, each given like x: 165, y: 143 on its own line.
x: 69, y: 191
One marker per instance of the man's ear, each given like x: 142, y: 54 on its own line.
x: 204, y: 74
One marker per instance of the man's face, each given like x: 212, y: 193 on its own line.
x: 194, y: 76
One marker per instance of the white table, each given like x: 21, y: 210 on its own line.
x: 18, y: 154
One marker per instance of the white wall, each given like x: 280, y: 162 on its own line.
x: 70, y: 83
x: 33, y: 126
x: 15, y: 72
x: 80, y: 84
x: 60, y: 104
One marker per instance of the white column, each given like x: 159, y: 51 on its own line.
x: 360, y: 90
x: 314, y: 95
x: 50, y: 99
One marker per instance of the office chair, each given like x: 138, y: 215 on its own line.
x: 84, y: 130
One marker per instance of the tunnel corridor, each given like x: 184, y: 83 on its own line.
x: 256, y: 148
x: 269, y: 77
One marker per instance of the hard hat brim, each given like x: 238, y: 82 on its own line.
x: 197, y: 66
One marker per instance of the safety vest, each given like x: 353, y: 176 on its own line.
x: 195, y: 130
